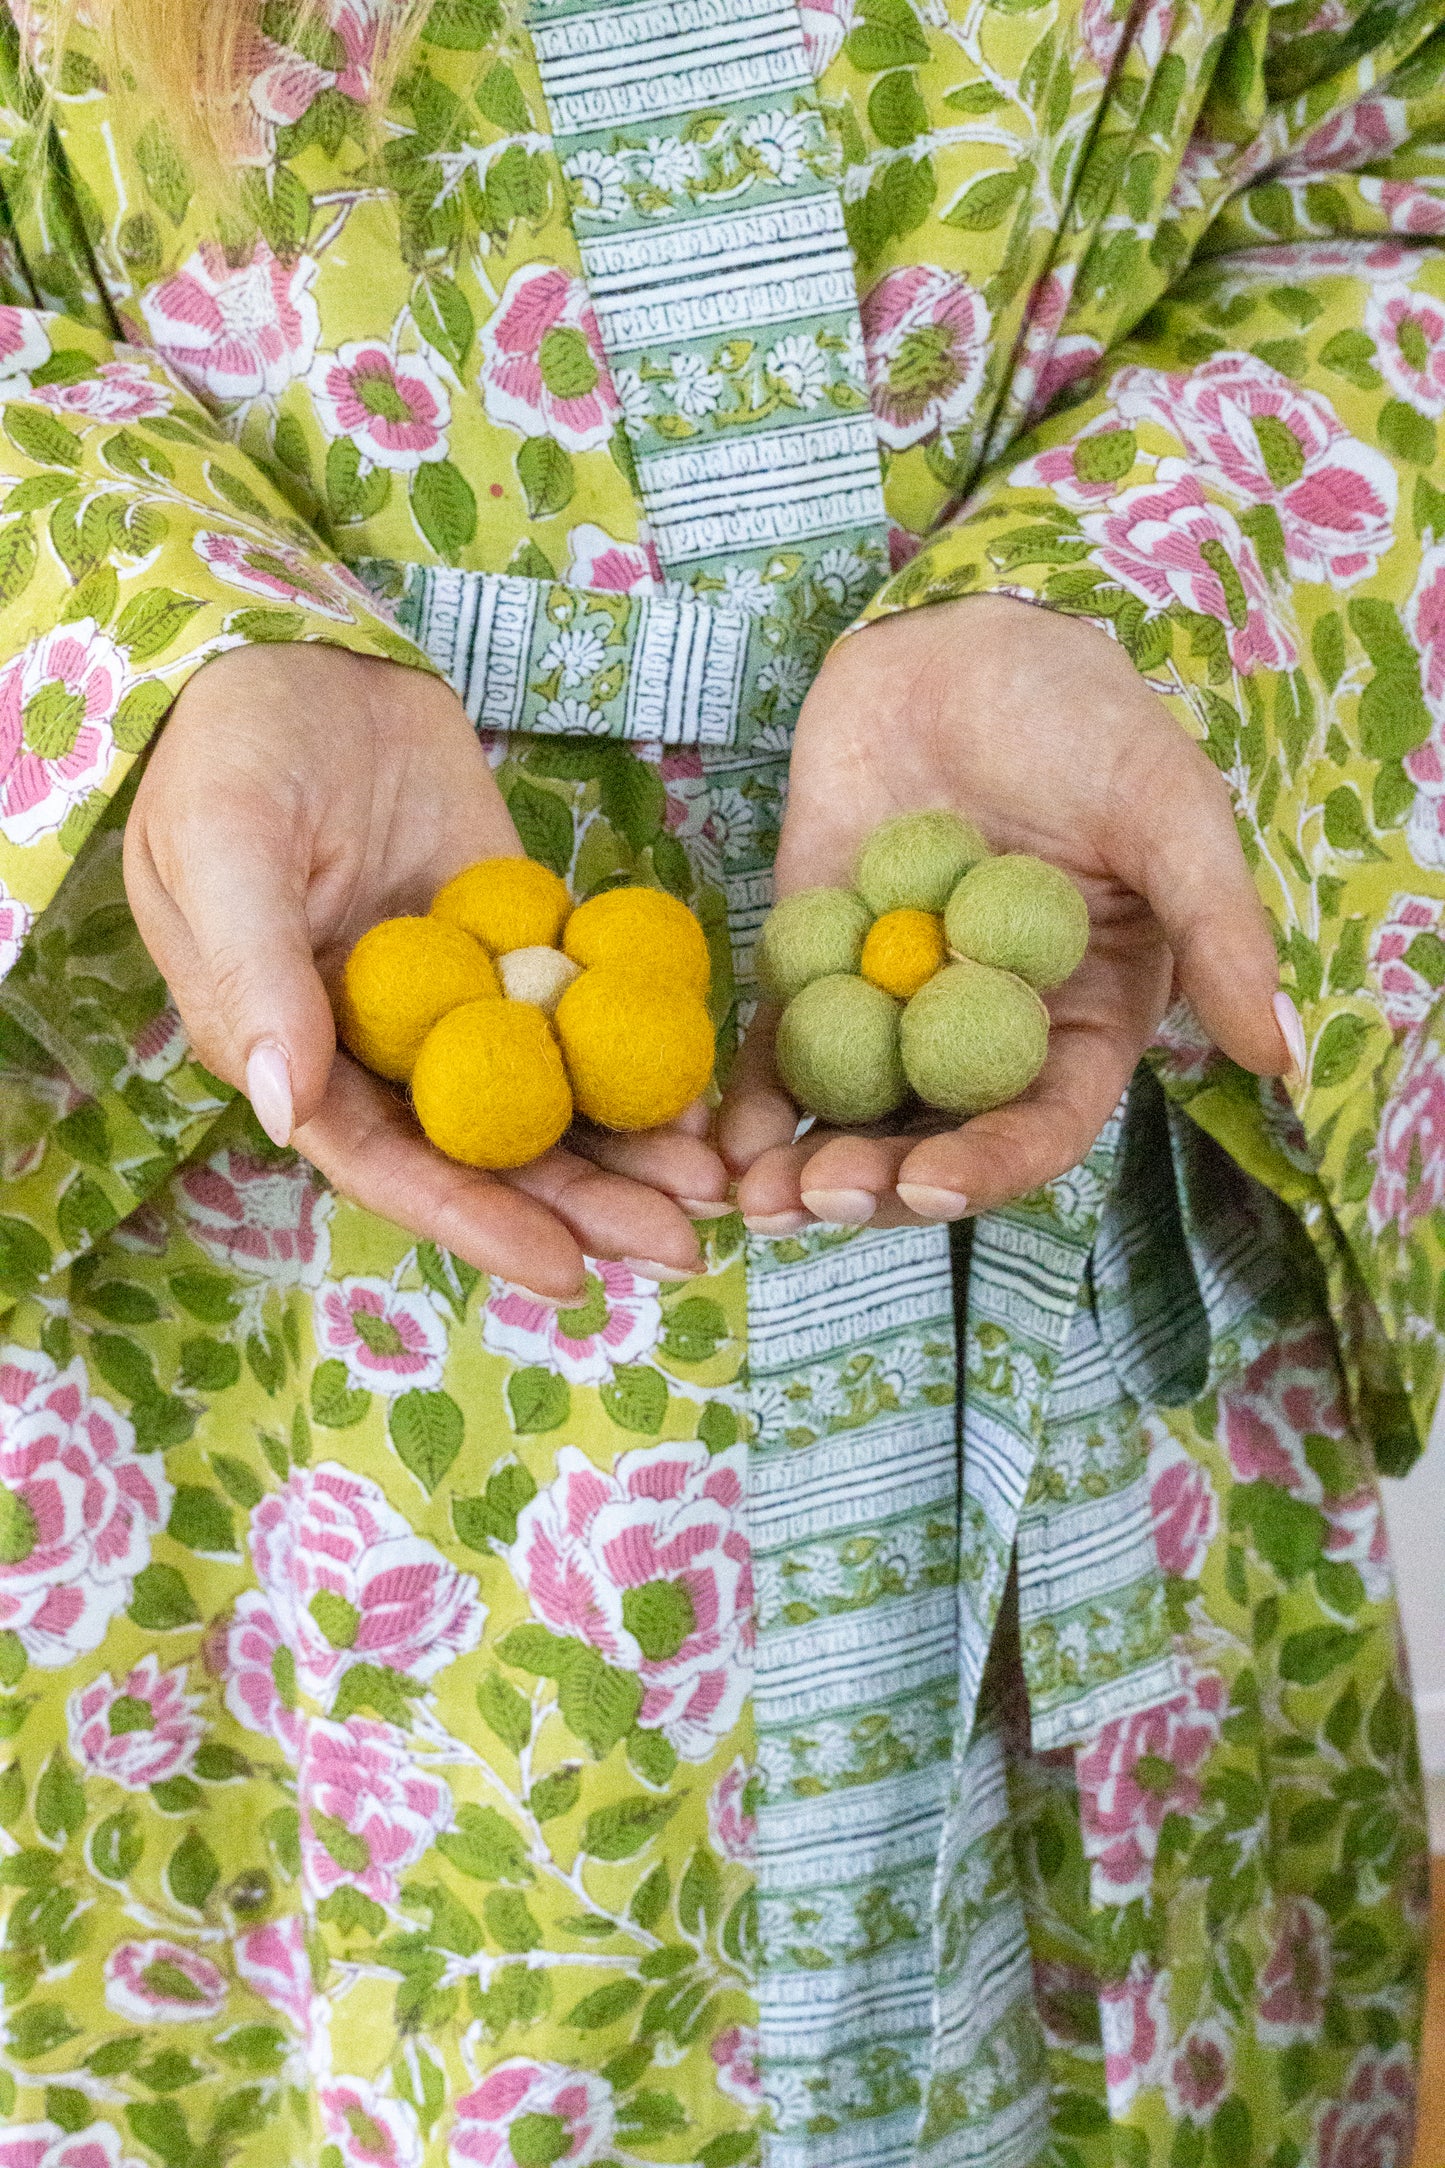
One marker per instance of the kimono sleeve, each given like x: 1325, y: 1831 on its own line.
x: 1246, y: 504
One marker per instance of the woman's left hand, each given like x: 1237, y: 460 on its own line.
x: 1038, y: 728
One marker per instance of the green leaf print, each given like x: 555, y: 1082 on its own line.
x: 605, y: 2005
x: 202, y: 1521
x: 555, y: 1795
x: 206, y: 1296
x: 24, y: 1255
x: 426, y: 1429
x: 1337, y: 1055
x: 59, y: 1800
x: 1289, y: 1534
x: 492, y: 1518
x: 598, y: 1702
x: 148, y: 624
x: 38, y: 2029
x: 19, y: 554
x: 161, y: 1601
x: 546, y: 474
x: 504, y: 1711
x: 335, y: 1402
x: 538, y: 1400
x: 896, y: 111
x: 42, y: 436
x: 636, y: 1398
x: 485, y: 1846
x: 444, y: 507
x: 1311, y: 1655
x: 986, y: 203
x: 1406, y: 432
x: 886, y: 35
x: 693, y: 1331
x: 163, y: 171
x: 624, y: 1827
x: 192, y: 1871
x: 544, y: 824
x: 510, y: 1922
x: 377, y: 1688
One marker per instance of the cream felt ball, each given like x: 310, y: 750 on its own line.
x: 973, y: 1038
x: 915, y: 862
x: 1019, y: 914
x: 400, y: 978
x: 837, y: 1050
x: 810, y: 936
x: 489, y: 1087
x: 506, y: 903
x: 643, y: 930
x: 539, y: 975
x: 637, y: 1052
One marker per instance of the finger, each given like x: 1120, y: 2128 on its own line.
x: 681, y: 1166
x: 611, y: 1216
x: 1192, y: 870
x: 850, y: 1181
x: 756, y: 1115
x: 365, y: 1142
x: 226, y: 924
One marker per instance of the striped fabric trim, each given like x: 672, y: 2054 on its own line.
x: 614, y: 67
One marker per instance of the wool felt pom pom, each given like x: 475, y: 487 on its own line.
x: 810, y: 936
x: 915, y: 862
x: 539, y: 975
x: 902, y: 952
x: 400, y: 978
x: 637, y: 1052
x: 489, y: 1087
x: 506, y: 903
x: 641, y: 930
x: 973, y: 1038
x: 837, y: 1050
x: 1019, y: 914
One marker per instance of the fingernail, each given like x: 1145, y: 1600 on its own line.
x: 932, y: 1204
x: 708, y: 1208
x: 268, y: 1087
x: 647, y: 1268
x: 1292, y: 1031
x: 775, y: 1223
x: 841, y: 1207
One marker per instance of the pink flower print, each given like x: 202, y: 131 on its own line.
x: 46, y: 2145
x: 1373, y: 2126
x: 259, y: 1670
x: 525, y: 2111
x: 618, y: 1320
x: 1298, y: 1975
x: 544, y: 367
x: 119, y: 391
x: 367, y: 1809
x: 15, y: 922
x: 1169, y: 544
x: 1425, y: 623
x: 1182, y: 1504
x: 286, y: 84
x: 1425, y: 827
x: 1413, y: 206
x: 1198, y: 2076
x: 1137, y: 1770
x: 651, y: 1567
x: 1408, y: 329
x: 368, y: 2128
x: 735, y: 2054
x: 1286, y: 1393
x: 235, y: 331
x: 159, y: 1047
x: 273, y: 572
x: 1410, y: 1155
x: 618, y: 568
x: 393, y: 407
x: 57, y: 701
x: 1189, y: 1052
x: 732, y: 1813
x: 903, y: 546
x: 1352, y: 136
x: 1134, y: 2021
x: 80, y: 1509
x: 160, y: 1982
x: 271, y: 1960
x: 265, y: 1219
x: 1048, y: 361
x: 138, y: 1733
x: 1357, y: 1537
x: 1257, y: 438
x: 1067, y: 1999
x: 1407, y: 959
x: 926, y: 335
x: 1145, y: 24
x: 824, y: 24
x: 349, y: 1582
x: 1065, y: 470
x: 390, y: 1343
x: 24, y: 344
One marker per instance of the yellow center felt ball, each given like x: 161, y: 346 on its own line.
x: 400, y: 978
x: 902, y: 951
x: 507, y: 903
x: 637, y: 1052
x: 642, y: 930
x: 489, y: 1087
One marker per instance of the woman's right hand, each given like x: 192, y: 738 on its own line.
x: 297, y: 795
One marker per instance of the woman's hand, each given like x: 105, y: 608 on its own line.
x: 297, y: 795
x: 1039, y: 729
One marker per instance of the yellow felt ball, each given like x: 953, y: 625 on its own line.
x: 637, y: 1052
x: 399, y: 980
x: 643, y: 930
x: 902, y: 952
x: 508, y: 903
x: 489, y: 1087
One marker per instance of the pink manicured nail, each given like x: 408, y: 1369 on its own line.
x: 932, y: 1204
x: 648, y: 1269
x: 776, y: 1223
x: 704, y: 1208
x: 1292, y: 1031
x: 841, y: 1207
x: 268, y: 1087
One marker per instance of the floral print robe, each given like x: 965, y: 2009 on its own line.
x: 427, y: 1713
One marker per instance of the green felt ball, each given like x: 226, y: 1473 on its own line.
x: 837, y: 1050
x: 973, y: 1038
x: 807, y: 936
x: 1019, y: 914
x: 915, y: 862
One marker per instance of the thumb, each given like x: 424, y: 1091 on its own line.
x: 1192, y: 871
x: 223, y: 913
